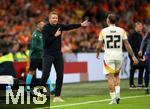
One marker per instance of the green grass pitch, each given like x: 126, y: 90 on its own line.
x: 95, y: 95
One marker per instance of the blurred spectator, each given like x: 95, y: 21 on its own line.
x: 6, y: 60
x: 146, y: 43
x: 17, y: 17
x: 23, y: 54
x: 135, y: 40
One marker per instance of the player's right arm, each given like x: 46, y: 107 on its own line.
x: 129, y: 49
x: 98, y: 48
x: 99, y: 44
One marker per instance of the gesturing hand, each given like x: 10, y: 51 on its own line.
x: 135, y: 60
x: 140, y: 53
x: 85, y: 23
x: 58, y: 33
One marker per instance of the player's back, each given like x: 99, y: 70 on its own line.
x: 113, y: 37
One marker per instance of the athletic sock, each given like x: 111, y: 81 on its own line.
x: 28, y: 81
x: 117, y: 90
x: 113, y: 96
x: 50, y: 86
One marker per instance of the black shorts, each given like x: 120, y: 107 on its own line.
x: 35, y: 63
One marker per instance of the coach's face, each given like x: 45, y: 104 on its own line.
x: 138, y: 27
x: 53, y: 19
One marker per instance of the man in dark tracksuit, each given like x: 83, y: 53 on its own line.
x: 146, y: 43
x: 135, y: 40
x: 52, y: 50
x: 36, y: 54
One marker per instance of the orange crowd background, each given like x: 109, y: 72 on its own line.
x: 18, y: 19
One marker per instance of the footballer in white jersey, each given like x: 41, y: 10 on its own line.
x: 113, y: 37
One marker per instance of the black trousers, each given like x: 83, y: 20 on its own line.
x: 58, y: 63
x: 139, y: 67
x: 147, y: 71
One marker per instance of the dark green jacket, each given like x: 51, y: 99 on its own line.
x: 36, y: 45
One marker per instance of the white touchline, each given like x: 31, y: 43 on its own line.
x: 90, y: 102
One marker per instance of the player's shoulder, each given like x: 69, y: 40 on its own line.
x: 114, y: 27
x: 120, y: 29
x: 109, y: 28
x: 104, y: 30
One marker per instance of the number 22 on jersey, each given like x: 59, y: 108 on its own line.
x: 113, y: 41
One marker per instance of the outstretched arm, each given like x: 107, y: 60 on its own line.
x: 129, y: 49
x: 73, y: 26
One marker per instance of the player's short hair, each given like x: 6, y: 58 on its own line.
x: 52, y: 12
x: 112, y: 18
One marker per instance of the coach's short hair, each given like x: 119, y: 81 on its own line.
x: 112, y: 18
x: 137, y: 23
x: 52, y: 12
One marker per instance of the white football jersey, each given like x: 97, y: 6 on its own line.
x: 113, y: 37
